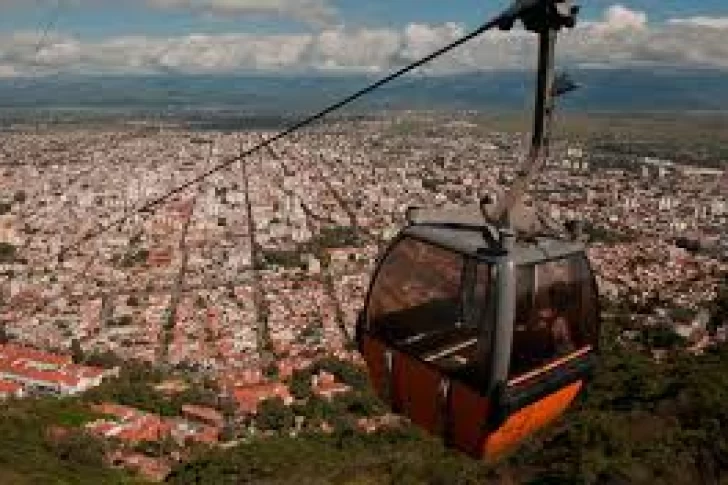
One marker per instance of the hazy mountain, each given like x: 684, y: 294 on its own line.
x: 619, y: 90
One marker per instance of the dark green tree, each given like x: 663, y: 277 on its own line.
x: 78, y: 447
x: 719, y: 308
x: 271, y: 371
x: 346, y: 372
x: 359, y: 403
x: 7, y: 252
x: 274, y: 415
x: 77, y: 352
x: 300, y: 384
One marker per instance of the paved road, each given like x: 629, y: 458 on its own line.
x: 168, y: 327
x: 262, y: 335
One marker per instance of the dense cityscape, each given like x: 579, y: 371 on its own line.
x: 253, y: 278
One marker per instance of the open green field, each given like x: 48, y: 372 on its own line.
x: 684, y: 137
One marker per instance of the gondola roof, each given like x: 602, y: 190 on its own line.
x: 464, y: 229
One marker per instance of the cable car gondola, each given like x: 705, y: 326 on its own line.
x: 476, y: 334
x: 481, y: 325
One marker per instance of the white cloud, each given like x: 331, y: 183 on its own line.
x: 315, y: 12
x: 7, y: 71
x: 622, y: 37
x: 365, y: 49
x: 619, y: 17
x: 421, y: 39
x: 709, y: 22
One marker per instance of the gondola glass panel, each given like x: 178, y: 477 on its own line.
x: 416, y: 296
x: 555, y: 313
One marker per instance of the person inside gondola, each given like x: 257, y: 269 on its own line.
x: 562, y: 340
x: 546, y: 335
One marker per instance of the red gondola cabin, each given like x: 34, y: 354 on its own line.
x: 476, y: 336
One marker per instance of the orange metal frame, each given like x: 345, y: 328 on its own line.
x: 413, y: 390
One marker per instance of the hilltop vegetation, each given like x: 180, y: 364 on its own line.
x: 343, y: 458
x: 640, y: 422
x: 41, y: 442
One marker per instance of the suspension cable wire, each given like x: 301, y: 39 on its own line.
x: 84, y: 151
x: 55, y: 14
x: 326, y: 280
x: 338, y: 198
x: 44, y: 34
x: 285, y: 169
x: 33, y: 215
x: 139, y: 225
x: 489, y: 25
x: 44, y: 30
x: 108, y: 147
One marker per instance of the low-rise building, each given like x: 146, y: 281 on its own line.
x: 47, y: 373
x: 250, y: 397
x: 10, y: 389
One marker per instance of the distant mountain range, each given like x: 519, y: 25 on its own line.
x: 603, y: 90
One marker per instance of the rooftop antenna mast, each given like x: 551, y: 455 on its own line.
x: 546, y: 18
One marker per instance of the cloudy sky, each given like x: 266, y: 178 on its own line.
x: 42, y: 37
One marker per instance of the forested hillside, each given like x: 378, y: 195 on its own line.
x: 639, y: 422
